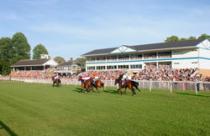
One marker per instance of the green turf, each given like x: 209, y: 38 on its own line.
x: 41, y: 110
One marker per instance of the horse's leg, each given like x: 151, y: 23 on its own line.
x: 87, y: 88
x: 119, y: 90
x: 133, y: 91
x: 137, y: 88
x: 125, y: 90
x: 97, y: 89
x: 103, y: 87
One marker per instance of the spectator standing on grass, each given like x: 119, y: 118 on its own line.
x: 197, y: 82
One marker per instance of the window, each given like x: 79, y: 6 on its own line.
x: 91, y: 68
x: 123, y: 57
x: 100, y: 67
x: 164, y: 54
x: 176, y: 63
x: 150, y: 55
x: 123, y: 66
x: 139, y: 66
x: 136, y: 56
x: 112, y: 67
x: 111, y: 58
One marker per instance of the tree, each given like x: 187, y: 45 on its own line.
x: 172, y: 38
x: 4, y: 67
x: 21, y: 46
x: 204, y: 36
x: 59, y: 59
x: 183, y: 39
x: 6, y: 55
x: 6, y: 50
x: 81, y: 62
x: 38, y: 50
x: 192, y: 38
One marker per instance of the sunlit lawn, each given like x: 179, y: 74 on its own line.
x: 41, y: 110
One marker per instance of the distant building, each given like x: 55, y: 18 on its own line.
x: 177, y: 55
x: 44, y: 56
x: 37, y: 64
x: 68, y: 68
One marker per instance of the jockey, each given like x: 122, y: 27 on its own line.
x: 57, y: 76
x: 95, y: 77
x: 127, y: 76
x: 84, y: 76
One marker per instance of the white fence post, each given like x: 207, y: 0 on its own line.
x: 196, y: 89
x: 150, y: 85
x: 171, y: 86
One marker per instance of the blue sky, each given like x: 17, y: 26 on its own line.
x: 70, y: 28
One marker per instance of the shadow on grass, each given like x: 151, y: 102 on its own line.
x: 7, y: 129
x: 79, y: 90
x: 111, y: 91
x: 190, y: 94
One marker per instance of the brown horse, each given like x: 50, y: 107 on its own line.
x: 87, y: 84
x: 98, y: 84
x: 56, y: 82
x: 132, y: 85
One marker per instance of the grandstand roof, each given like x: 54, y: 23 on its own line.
x: 36, y: 62
x: 147, y: 47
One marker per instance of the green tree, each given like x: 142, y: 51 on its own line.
x: 6, y: 49
x: 59, y: 59
x: 172, y: 38
x: 6, y: 55
x: 192, y: 38
x: 204, y: 36
x: 183, y: 39
x: 4, y: 67
x: 38, y: 50
x: 21, y: 46
x: 81, y: 62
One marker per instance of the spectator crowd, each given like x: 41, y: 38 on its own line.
x: 150, y: 72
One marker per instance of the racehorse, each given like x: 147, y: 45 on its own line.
x: 56, y: 81
x: 87, y: 84
x: 98, y: 84
x: 130, y: 84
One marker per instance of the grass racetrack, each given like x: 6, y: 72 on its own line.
x: 41, y: 110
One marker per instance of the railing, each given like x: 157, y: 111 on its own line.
x: 128, y: 59
x: 170, y: 85
x: 145, y: 84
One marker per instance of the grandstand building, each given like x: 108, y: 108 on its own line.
x: 177, y: 55
x: 68, y: 68
x: 37, y: 64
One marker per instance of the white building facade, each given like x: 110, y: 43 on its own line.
x: 178, y: 55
